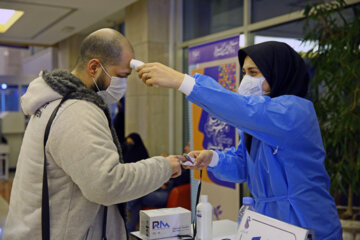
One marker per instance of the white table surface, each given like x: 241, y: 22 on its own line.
x: 222, y: 229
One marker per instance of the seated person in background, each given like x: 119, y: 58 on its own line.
x: 134, y: 149
x: 119, y: 120
x: 156, y: 199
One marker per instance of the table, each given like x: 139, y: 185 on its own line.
x: 222, y: 229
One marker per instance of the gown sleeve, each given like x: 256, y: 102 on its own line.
x: 232, y: 165
x: 275, y: 121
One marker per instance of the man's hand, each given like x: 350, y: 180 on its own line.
x: 175, y: 164
x: 202, y: 159
x: 160, y: 75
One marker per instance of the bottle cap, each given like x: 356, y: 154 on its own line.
x: 248, y: 200
x: 203, y: 198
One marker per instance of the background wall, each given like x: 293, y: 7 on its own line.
x: 146, y: 109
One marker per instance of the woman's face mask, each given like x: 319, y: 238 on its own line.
x: 115, y: 91
x: 251, y: 86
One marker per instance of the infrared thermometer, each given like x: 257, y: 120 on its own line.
x: 134, y: 64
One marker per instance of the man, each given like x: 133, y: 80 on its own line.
x: 83, y: 157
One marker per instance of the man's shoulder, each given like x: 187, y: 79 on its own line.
x: 81, y: 110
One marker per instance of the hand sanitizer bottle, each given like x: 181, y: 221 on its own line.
x: 204, y: 219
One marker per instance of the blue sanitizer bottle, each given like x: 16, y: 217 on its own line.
x: 248, y: 204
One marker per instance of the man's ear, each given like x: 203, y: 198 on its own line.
x: 93, y: 66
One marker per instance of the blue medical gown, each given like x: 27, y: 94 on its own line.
x: 285, y: 169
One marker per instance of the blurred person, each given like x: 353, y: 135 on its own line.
x: 187, y: 147
x: 119, y: 120
x: 84, y: 163
x: 134, y: 149
x: 158, y: 198
x: 280, y: 154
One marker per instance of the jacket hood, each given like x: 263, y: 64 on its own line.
x: 37, y: 94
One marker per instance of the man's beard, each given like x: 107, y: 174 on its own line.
x: 100, y: 83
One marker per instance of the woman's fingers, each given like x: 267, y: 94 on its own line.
x: 188, y: 167
x: 148, y: 74
x: 203, y: 159
x: 194, y: 154
x: 160, y: 75
x: 150, y: 82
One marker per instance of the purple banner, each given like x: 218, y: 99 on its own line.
x: 225, y: 48
x: 209, y: 132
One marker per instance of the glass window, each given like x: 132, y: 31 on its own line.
x: 9, y: 98
x: 24, y: 89
x: 120, y: 28
x: 290, y: 33
x: 348, y: 14
x: 204, y: 17
x: 265, y: 9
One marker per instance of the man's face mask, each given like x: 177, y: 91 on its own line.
x: 251, y: 86
x: 115, y: 91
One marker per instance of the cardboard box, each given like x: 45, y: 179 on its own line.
x: 255, y: 226
x: 165, y: 222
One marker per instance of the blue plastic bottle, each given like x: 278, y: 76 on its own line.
x: 248, y: 203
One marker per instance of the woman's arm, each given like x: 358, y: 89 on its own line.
x: 276, y: 121
x: 231, y: 166
x: 272, y: 120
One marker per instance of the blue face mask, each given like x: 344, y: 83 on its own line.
x: 251, y: 86
x: 115, y: 91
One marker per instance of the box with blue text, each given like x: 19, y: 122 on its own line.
x: 165, y: 222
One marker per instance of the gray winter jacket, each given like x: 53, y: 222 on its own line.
x: 84, y: 171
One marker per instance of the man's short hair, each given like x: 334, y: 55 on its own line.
x: 107, y: 48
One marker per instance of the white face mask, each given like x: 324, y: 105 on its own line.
x: 251, y: 86
x: 115, y: 91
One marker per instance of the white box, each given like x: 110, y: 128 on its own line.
x: 255, y: 226
x: 165, y: 222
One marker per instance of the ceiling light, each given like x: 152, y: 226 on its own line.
x: 8, y: 17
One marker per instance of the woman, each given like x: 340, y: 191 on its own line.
x: 134, y: 149
x: 280, y: 154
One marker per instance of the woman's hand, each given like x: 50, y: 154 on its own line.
x: 202, y: 159
x: 157, y: 74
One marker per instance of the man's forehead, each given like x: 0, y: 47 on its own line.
x: 124, y: 61
x: 122, y: 68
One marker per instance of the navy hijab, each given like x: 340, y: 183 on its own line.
x: 135, y: 152
x: 282, y: 67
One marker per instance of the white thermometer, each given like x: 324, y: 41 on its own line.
x: 134, y: 64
